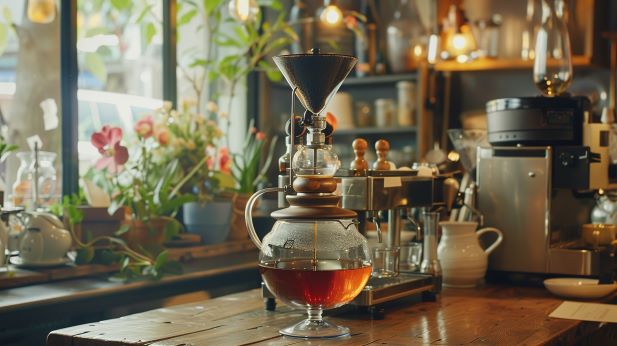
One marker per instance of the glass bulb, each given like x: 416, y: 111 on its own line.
x: 243, y: 10
x: 331, y: 15
x: 552, y: 68
x: 41, y: 11
x: 321, y: 162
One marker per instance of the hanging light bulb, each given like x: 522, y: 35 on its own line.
x: 331, y: 14
x: 243, y: 10
x: 459, y: 42
x: 41, y: 11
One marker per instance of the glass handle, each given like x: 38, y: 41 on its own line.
x: 248, y: 213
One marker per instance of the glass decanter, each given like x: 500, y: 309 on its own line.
x: 314, y: 257
x: 552, y: 68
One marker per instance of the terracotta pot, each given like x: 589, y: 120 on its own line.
x: 238, y: 230
x: 141, y: 234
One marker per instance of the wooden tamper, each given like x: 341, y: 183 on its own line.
x: 359, y: 146
x: 382, y: 147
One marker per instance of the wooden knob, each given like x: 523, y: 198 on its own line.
x: 382, y: 147
x: 359, y: 146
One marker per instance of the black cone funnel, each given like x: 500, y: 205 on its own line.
x: 316, y: 76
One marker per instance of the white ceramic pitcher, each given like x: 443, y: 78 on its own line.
x: 463, y: 261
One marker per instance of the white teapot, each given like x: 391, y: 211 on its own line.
x: 463, y: 261
x: 45, y: 239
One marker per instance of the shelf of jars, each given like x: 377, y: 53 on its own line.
x: 498, y: 64
x: 367, y: 131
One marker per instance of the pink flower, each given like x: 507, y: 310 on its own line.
x: 260, y: 136
x: 107, y: 142
x: 224, y: 161
x: 145, y: 126
x: 162, y: 135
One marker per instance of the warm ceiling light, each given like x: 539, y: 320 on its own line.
x: 243, y: 10
x: 331, y: 14
x: 41, y: 11
x: 459, y: 44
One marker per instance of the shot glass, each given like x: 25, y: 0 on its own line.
x: 410, y: 257
x: 385, y: 262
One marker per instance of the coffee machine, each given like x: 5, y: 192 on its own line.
x: 379, y: 191
x: 537, y: 182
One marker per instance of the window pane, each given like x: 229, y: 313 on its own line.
x: 119, y: 49
x: 30, y: 98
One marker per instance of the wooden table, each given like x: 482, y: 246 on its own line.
x: 489, y: 315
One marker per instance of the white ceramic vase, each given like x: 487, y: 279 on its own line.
x: 463, y: 261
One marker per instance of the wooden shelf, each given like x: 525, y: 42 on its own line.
x: 498, y: 64
x: 375, y: 131
x: 380, y: 79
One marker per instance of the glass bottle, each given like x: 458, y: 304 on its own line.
x: 47, y: 180
x: 303, y: 24
x: 403, y: 34
x: 532, y: 19
x: 552, y: 68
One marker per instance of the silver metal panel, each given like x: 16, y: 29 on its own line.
x: 513, y: 195
x: 574, y: 262
x: 383, y: 193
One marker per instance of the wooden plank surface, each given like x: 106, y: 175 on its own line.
x: 488, y: 315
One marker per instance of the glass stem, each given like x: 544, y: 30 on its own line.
x: 314, y: 315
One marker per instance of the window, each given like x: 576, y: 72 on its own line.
x: 30, y: 96
x: 119, y: 49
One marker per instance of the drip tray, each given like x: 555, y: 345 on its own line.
x: 381, y: 290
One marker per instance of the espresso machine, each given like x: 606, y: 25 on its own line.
x: 537, y: 181
x: 377, y: 191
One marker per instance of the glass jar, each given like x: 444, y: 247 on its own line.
x: 23, y: 191
x: 404, y: 35
x: 552, y: 68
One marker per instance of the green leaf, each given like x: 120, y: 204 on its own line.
x: 149, y: 32
x: 241, y: 34
x: 121, y: 4
x: 186, y: 18
x: 160, y: 260
x: 84, y: 255
x: 172, y: 228
x: 211, y: 5
x: 96, y: 66
x: 199, y: 62
x: 143, y: 13
x: 123, y: 229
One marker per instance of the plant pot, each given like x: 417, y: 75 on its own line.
x: 210, y: 220
x: 238, y: 230
x: 145, y: 235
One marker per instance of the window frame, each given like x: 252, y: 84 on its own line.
x: 69, y: 72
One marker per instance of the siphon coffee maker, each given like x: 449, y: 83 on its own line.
x: 314, y: 257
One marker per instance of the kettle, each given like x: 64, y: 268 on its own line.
x: 45, y: 239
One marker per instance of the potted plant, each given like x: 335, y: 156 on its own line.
x: 145, y: 182
x: 248, y: 174
x: 193, y: 137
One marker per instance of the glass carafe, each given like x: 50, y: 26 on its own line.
x: 23, y: 192
x: 312, y: 264
x: 552, y: 68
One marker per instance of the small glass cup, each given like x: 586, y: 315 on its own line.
x: 410, y: 257
x: 385, y: 262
